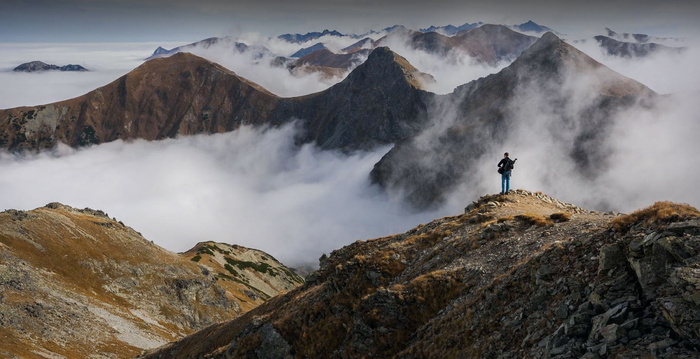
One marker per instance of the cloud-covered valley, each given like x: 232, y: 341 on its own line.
x: 251, y: 187
x: 256, y: 188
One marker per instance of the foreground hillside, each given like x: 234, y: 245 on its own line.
x: 516, y: 276
x: 77, y: 284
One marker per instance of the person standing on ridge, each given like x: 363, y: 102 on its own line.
x: 504, y: 168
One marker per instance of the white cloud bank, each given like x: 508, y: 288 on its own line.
x: 254, y: 188
x: 250, y: 187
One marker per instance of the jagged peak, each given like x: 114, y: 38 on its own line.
x: 383, y: 61
x: 548, y: 39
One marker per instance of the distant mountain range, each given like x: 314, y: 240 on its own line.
x: 381, y: 102
x: 487, y: 44
x: 227, y: 42
x: 449, y: 30
x: 38, y: 66
x: 633, y: 49
x: 300, y: 39
x: 185, y: 94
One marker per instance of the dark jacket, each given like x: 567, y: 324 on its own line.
x: 506, y: 163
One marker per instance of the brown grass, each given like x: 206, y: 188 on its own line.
x: 560, y: 217
x: 658, y: 213
x: 534, y: 219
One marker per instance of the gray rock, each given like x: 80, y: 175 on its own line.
x: 273, y: 345
x: 691, y: 227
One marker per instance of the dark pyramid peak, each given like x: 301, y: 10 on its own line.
x: 379, y: 102
x: 532, y: 26
x: 359, y: 45
x: 160, y: 51
x: 547, y: 39
x: 551, y: 55
x: 308, y: 50
x: 384, y: 65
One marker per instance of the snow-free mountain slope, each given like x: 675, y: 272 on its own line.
x: 76, y: 283
x: 523, y: 275
x: 551, y: 75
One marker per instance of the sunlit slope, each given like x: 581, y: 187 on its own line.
x: 76, y: 283
x: 521, y: 275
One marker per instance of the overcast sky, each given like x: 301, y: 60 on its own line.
x: 190, y: 20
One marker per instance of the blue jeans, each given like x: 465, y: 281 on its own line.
x: 505, y: 181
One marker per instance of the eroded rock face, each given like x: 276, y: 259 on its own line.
x: 644, y: 299
x: 550, y: 280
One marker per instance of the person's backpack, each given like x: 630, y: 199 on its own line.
x: 510, y: 164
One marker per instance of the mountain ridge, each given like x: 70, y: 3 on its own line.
x: 548, y: 66
x: 184, y: 94
x: 522, y: 275
x: 77, y: 283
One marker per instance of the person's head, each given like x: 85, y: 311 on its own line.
x: 505, y: 154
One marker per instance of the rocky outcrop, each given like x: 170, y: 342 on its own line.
x: 250, y: 275
x: 75, y: 283
x: 548, y: 280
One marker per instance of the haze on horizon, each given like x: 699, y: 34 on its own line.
x: 189, y: 20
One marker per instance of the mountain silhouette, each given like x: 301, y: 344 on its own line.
x: 438, y: 138
x: 184, y: 94
x: 426, y: 167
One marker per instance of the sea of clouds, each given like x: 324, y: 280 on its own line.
x: 254, y: 187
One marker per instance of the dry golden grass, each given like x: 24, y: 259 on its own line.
x: 560, y: 217
x: 658, y: 213
x: 534, y: 219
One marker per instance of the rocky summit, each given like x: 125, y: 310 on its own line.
x: 521, y: 275
x: 77, y: 284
